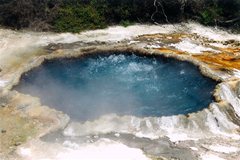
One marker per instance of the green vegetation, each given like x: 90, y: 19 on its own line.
x: 78, y: 18
x: 210, y: 15
x: 221, y: 12
x: 79, y: 15
x: 126, y: 23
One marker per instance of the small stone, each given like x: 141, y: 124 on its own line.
x: 96, y: 136
x: 17, y: 143
x: 231, y: 41
x: 3, y: 131
x: 238, y: 90
x: 117, y: 134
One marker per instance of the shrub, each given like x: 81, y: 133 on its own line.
x: 78, y: 18
x: 210, y: 15
x: 126, y: 23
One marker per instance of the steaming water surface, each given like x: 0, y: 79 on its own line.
x: 126, y: 84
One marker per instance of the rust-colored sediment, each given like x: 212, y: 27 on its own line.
x: 169, y: 51
x: 164, y: 38
x: 223, y: 58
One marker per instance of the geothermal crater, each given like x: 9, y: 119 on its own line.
x: 122, y: 83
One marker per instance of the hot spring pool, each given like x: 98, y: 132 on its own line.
x: 126, y: 84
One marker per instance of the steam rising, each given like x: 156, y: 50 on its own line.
x: 90, y: 87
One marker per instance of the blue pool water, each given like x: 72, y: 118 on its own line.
x: 126, y: 84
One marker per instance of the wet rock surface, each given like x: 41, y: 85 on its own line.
x: 157, y: 148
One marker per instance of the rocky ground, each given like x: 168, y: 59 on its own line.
x: 212, y: 133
